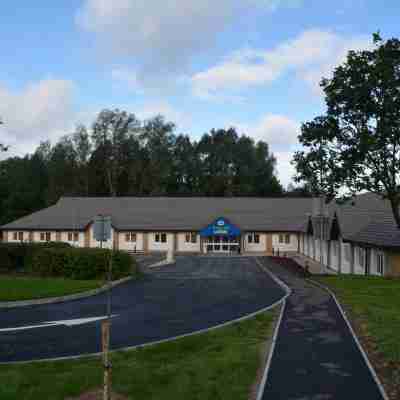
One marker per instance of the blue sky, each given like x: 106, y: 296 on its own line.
x: 253, y: 64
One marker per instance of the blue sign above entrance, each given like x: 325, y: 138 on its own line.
x: 220, y: 227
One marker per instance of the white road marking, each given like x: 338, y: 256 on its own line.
x: 67, y: 322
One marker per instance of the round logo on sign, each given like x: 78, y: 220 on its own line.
x: 220, y: 222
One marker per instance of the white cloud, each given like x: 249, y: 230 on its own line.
x: 284, y: 168
x: 280, y: 132
x: 162, y: 36
x: 126, y: 77
x: 311, y: 55
x: 42, y: 110
x: 277, y: 130
x: 183, y: 120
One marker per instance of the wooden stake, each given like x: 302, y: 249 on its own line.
x: 105, y: 336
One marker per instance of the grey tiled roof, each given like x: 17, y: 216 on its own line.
x: 368, y: 220
x: 169, y: 213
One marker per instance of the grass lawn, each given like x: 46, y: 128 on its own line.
x: 14, y: 288
x: 221, y: 364
x: 374, y: 304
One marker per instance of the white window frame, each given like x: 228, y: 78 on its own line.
x: 380, y: 262
x: 253, y: 237
x: 347, y: 252
x: 160, y: 237
x: 191, y: 237
x: 130, y: 237
x: 361, y: 256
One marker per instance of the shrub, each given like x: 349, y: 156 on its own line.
x: 81, y: 263
x: 18, y: 256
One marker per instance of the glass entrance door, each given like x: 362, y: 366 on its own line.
x: 222, y: 244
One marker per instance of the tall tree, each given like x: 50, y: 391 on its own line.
x: 62, y: 170
x: 363, y: 106
x: 83, y: 148
x: 158, y: 139
x: 110, y: 132
x: 318, y: 164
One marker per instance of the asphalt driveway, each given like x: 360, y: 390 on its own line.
x: 196, y: 293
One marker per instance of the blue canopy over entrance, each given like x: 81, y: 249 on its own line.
x: 220, y: 227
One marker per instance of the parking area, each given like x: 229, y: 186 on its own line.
x: 196, y: 293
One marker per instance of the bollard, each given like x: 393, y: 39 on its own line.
x: 307, y: 269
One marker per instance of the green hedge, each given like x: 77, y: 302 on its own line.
x: 81, y: 263
x: 18, y: 256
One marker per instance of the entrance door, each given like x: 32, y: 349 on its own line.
x: 222, y: 244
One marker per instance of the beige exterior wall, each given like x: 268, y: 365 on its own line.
x: 183, y: 246
x: 255, y: 247
x: 393, y: 264
x: 124, y: 245
x: 10, y: 236
x: 79, y: 243
x: 158, y: 246
x: 283, y: 247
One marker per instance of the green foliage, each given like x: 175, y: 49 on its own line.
x: 81, y: 263
x: 356, y: 145
x: 18, y: 256
x: 120, y: 155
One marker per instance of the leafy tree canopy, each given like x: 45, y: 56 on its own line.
x: 119, y: 155
x: 355, y: 146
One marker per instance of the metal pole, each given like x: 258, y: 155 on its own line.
x: 321, y: 228
x: 106, y: 329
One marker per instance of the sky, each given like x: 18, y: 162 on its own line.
x: 252, y: 64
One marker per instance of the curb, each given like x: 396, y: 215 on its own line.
x: 263, y: 383
x: 268, y: 363
x: 140, y: 346
x: 162, y: 263
x: 363, y: 353
x: 62, y: 299
x: 212, y: 328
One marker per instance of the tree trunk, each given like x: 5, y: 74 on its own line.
x: 111, y: 183
x: 395, y: 202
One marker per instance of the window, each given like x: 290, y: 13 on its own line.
x: 42, y: 236
x: 281, y: 238
x: 15, y: 236
x: 334, y: 246
x: 361, y: 256
x: 161, y: 237
x: 48, y: 236
x: 253, y: 238
x: 191, y: 237
x: 69, y: 236
x: 130, y: 237
x: 76, y: 236
x: 379, y: 262
x: 347, y: 254
x: 287, y: 239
